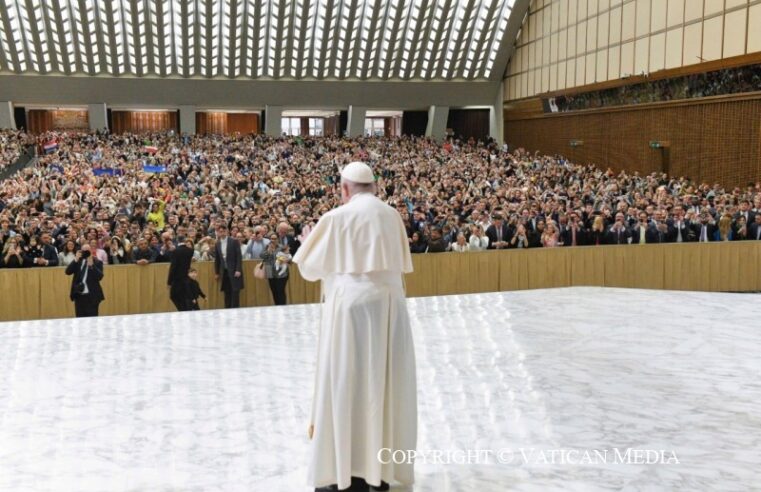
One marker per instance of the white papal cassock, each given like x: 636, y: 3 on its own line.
x: 365, y: 386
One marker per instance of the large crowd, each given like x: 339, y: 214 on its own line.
x: 134, y: 198
x: 12, y: 144
x: 705, y: 84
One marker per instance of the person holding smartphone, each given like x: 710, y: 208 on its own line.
x: 86, y: 292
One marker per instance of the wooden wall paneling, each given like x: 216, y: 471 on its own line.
x: 39, y: 121
x: 143, y: 121
x: 470, y: 123
x: 43, y: 293
x: 20, y: 294
x: 710, y: 141
x: 243, y: 123
x: 587, y: 266
x: 514, y: 271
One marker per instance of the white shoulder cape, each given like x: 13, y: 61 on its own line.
x: 362, y: 236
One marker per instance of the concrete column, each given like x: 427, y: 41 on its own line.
x: 273, y: 126
x: 496, y: 116
x: 7, y: 119
x: 96, y: 114
x: 187, y: 119
x: 356, y: 122
x: 437, y: 122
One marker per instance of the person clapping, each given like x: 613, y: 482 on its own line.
x: 86, y: 292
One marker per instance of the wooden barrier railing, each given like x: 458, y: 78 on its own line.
x: 42, y: 293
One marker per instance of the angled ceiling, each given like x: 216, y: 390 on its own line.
x: 257, y: 39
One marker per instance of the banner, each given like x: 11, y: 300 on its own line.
x: 154, y: 169
x: 50, y: 146
x: 107, y: 172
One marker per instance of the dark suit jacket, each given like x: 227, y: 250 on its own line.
x: 49, y: 253
x: 655, y: 236
x: 292, y: 242
x: 749, y: 219
x: 753, y: 231
x: 233, y: 264
x: 94, y: 276
x: 635, y: 234
x: 182, y: 256
x: 491, y: 233
x: 567, y: 236
x: 612, y: 237
x: 711, y: 232
x: 687, y: 232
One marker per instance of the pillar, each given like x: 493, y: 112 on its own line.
x: 187, y: 119
x: 497, y: 117
x: 355, y: 126
x: 7, y: 120
x: 437, y: 122
x: 273, y: 125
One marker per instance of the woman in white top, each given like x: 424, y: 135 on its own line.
x: 479, y: 241
x: 69, y: 253
x: 460, y: 246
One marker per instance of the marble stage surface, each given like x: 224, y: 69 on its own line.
x: 509, y: 385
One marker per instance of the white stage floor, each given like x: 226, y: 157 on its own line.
x: 218, y: 400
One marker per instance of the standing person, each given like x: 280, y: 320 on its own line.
x: 194, y: 290
x: 276, y: 259
x: 178, y: 280
x: 228, y: 266
x: 365, y: 397
x: 86, y: 291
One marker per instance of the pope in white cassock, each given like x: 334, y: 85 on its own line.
x: 365, y: 395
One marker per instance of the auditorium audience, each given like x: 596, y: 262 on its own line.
x: 734, y: 80
x: 102, y: 190
x: 12, y: 144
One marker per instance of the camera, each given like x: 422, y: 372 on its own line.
x: 85, y: 254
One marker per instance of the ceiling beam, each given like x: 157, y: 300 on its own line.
x: 481, y: 46
x: 422, y: 34
x: 507, y: 45
x: 465, y: 39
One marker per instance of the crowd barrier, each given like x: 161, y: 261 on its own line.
x: 43, y: 293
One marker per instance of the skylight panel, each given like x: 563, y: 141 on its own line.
x: 388, y: 32
x: 256, y: 38
x: 225, y: 37
x: 497, y: 40
x: 17, y: 38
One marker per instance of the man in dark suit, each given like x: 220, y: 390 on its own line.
x: 746, y: 212
x: 499, y: 233
x: 658, y: 231
x: 705, y: 229
x: 86, y: 291
x: 754, y: 230
x: 573, y: 234
x: 228, y: 266
x: 178, y: 280
x: 49, y: 255
x: 618, y: 232
x: 640, y: 230
x: 681, y: 227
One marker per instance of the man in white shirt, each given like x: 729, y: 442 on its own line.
x: 228, y: 267
x: 365, y: 395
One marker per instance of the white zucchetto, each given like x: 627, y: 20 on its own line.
x: 358, y: 172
